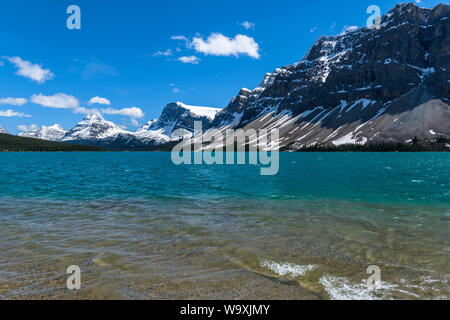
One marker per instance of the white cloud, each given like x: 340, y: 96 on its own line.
x: 166, y: 53
x: 135, y: 123
x: 313, y: 29
x: 59, y: 101
x: 23, y: 127
x: 180, y: 38
x: 13, y: 101
x: 99, y: 100
x: 31, y: 71
x: 11, y: 113
x: 64, y: 101
x: 219, y: 45
x: 132, y: 112
x: 190, y: 59
x: 83, y: 110
x: 247, y: 25
x: 175, y: 90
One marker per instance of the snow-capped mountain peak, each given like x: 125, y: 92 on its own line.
x: 94, y: 127
x: 178, y: 117
x: 93, y: 117
x: 52, y: 133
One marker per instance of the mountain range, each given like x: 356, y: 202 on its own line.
x: 364, y: 86
x: 95, y: 130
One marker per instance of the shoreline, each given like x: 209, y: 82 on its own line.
x: 11, y: 143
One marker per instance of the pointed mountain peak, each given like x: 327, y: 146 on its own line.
x: 93, y: 127
x: 94, y: 117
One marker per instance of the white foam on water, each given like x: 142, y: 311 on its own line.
x: 286, y: 268
x: 340, y: 288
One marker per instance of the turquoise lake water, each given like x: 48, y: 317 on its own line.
x: 140, y: 227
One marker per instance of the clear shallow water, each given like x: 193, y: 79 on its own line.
x: 140, y: 227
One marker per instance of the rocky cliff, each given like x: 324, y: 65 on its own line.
x: 362, y: 86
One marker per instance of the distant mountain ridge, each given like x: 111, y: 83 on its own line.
x: 95, y: 130
x: 52, y: 133
x: 363, y: 86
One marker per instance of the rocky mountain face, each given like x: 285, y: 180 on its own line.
x: 180, y: 117
x: 3, y: 130
x: 51, y: 133
x: 361, y: 86
x: 177, y: 119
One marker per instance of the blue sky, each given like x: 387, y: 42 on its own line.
x: 131, y: 53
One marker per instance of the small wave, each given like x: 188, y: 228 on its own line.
x: 286, y: 268
x: 340, y: 288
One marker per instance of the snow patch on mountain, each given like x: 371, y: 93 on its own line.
x: 94, y: 127
x: 177, y: 119
x: 51, y: 133
x: 200, y: 111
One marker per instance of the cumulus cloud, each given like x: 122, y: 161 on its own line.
x: 190, y: 59
x: 64, y: 101
x: 58, y: 101
x: 247, y: 25
x: 99, y: 100
x: 219, y: 45
x: 11, y: 113
x: 132, y: 112
x: 13, y: 101
x: 31, y: 71
x: 23, y: 127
